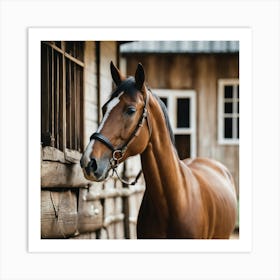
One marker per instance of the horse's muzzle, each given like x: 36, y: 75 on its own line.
x: 95, y: 170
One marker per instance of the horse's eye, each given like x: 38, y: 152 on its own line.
x: 130, y: 110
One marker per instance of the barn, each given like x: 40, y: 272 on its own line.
x: 198, y: 82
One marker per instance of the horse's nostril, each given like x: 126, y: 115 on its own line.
x: 93, y: 164
x: 94, y: 168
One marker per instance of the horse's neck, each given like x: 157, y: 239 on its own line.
x: 165, y: 181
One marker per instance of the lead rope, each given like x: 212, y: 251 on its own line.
x: 124, y: 181
x: 114, y: 164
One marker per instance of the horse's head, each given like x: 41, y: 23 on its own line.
x: 122, y: 131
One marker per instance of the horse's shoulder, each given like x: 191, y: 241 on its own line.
x: 211, y: 175
x: 206, y: 164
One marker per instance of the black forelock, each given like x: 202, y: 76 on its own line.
x: 128, y: 86
x: 166, y: 118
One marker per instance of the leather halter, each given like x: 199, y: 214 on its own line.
x: 118, y: 152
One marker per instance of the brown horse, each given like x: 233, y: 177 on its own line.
x: 193, y: 198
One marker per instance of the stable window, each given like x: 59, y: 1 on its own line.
x: 181, y: 107
x: 228, y: 111
x: 62, y: 70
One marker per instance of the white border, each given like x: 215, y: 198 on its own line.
x: 35, y: 243
x: 263, y: 17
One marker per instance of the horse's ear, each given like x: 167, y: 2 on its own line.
x: 116, y: 75
x: 139, y: 76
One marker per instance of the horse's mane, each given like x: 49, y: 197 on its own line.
x: 166, y: 117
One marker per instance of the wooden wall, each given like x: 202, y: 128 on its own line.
x: 199, y: 72
x: 71, y: 206
x: 90, y: 90
x: 98, y: 81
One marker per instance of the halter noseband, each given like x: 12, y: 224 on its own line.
x: 118, y: 152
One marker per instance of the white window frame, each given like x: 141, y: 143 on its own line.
x: 221, y: 115
x: 172, y: 95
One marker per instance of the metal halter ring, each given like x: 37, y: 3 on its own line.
x: 117, y: 155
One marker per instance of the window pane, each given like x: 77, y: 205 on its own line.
x: 61, y: 93
x: 57, y: 43
x: 237, y: 128
x: 74, y: 98
x: 75, y: 49
x: 228, y: 128
x: 183, y: 145
x: 238, y: 91
x: 228, y: 91
x: 46, y: 130
x: 183, y: 112
x: 58, y: 99
x: 237, y: 106
x: 164, y: 100
x: 228, y: 108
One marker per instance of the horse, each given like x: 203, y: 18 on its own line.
x: 186, y: 199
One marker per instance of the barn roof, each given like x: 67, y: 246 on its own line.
x: 180, y: 47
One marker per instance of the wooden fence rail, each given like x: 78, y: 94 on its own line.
x: 71, y: 208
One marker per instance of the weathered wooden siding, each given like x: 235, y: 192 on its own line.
x: 108, y: 52
x: 201, y: 73
x: 71, y: 206
x: 90, y: 90
x: 100, y: 210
